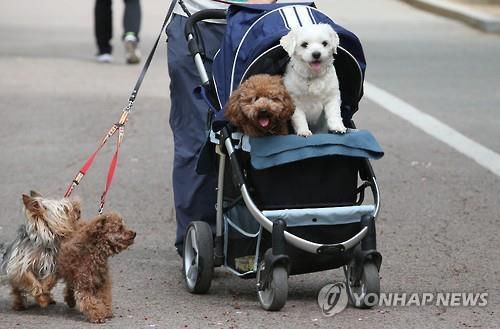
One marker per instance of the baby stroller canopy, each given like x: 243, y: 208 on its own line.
x: 251, y: 45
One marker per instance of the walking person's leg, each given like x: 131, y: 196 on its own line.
x: 103, y: 29
x: 131, y: 28
x: 132, y: 17
x: 194, y: 194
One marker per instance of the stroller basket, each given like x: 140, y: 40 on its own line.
x: 244, y: 237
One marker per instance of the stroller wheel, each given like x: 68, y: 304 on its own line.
x: 198, y: 262
x: 364, y: 292
x: 273, y: 295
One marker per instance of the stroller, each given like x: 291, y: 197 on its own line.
x: 286, y: 205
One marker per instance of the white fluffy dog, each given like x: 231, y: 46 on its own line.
x: 311, y: 80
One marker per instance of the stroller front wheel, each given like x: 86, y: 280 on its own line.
x: 198, y: 262
x: 365, y: 291
x: 273, y: 296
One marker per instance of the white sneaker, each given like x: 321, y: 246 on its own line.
x: 132, y: 53
x: 104, y: 58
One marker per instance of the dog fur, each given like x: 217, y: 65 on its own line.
x: 28, y: 263
x: 83, y: 264
x: 311, y: 79
x: 261, y: 106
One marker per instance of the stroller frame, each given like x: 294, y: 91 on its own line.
x: 202, y: 252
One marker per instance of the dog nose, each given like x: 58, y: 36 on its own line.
x: 263, y: 111
x: 316, y: 55
x: 133, y: 235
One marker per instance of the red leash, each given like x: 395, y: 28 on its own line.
x: 120, y: 127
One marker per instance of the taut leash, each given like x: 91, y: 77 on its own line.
x: 120, y: 125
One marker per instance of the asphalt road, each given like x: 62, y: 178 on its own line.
x: 438, y: 227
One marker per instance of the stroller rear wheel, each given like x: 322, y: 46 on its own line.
x: 198, y: 262
x: 365, y: 291
x: 273, y: 295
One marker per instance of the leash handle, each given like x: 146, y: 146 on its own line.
x: 120, y: 126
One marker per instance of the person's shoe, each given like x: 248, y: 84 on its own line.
x: 132, y: 53
x: 104, y: 58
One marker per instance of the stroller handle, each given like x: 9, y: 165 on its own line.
x: 191, y: 35
x: 193, y: 20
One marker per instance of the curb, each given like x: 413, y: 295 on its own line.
x: 471, y: 17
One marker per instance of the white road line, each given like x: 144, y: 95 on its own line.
x: 482, y: 155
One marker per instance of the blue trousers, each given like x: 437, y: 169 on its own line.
x: 194, y: 194
x: 103, y: 22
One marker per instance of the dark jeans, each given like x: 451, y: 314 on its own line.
x: 103, y: 22
x: 194, y: 194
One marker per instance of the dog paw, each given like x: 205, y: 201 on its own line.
x: 97, y: 320
x: 304, y: 133
x: 36, y: 291
x: 18, y: 307
x: 336, y: 126
x: 341, y: 132
x: 71, y: 302
x: 340, y: 129
x: 44, y: 300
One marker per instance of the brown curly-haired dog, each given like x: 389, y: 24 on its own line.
x: 261, y: 106
x: 83, y: 264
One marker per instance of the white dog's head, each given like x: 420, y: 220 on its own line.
x: 312, y: 46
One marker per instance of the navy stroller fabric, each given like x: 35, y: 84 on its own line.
x: 254, y: 29
x: 272, y: 151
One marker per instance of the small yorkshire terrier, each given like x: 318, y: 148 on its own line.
x: 28, y: 263
x: 83, y: 264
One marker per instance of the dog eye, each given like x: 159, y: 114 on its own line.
x: 325, y: 43
x: 304, y: 45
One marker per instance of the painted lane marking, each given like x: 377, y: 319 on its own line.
x: 437, y: 129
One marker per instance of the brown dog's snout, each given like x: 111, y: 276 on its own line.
x: 263, y: 111
x: 130, y: 236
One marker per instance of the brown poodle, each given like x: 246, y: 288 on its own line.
x: 261, y: 106
x: 83, y: 264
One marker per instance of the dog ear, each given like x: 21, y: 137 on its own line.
x: 35, y: 194
x: 233, y: 111
x: 289, y: 106
x: 98, y: 225
x: 77, y: 207
x: 288, y: 43
x: 32, y: 205
x: 334, y: 39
